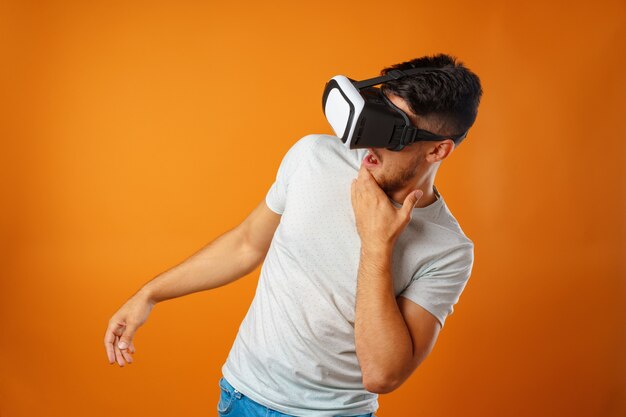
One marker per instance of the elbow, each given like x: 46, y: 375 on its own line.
x: 381, y: 385
x: 384, y: 381
x: 375, y: 388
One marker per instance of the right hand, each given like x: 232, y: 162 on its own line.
x: 122, y: 328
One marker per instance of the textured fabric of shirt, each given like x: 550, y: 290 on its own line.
x: 295, y: 349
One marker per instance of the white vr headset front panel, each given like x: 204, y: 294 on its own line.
x: 338, y: 109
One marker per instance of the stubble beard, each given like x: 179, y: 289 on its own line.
x: 390, y: 184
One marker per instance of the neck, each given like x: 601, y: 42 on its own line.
x: 424, y: 184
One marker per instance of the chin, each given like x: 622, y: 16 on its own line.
x: 381, y: 183
x: 376, y: 176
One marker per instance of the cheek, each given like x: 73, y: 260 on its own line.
x: 393, y: 166
x: 398, y: 169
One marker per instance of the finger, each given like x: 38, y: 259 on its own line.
x: 365, y: 173
x: 127, y: 337
x: 410, y: 201
x: 358, y: 191
x: 109, y: 339
x: 132, y: 347
x: 362, y: 171
x: 126, y: 354
x: 118, y: 353
x: 369, y: 186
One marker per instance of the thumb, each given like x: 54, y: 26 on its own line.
x: 411, y: 200
x: 127, y: 338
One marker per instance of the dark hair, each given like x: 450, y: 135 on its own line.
x: 447, y: 98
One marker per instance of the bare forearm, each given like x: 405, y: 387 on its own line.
x: 220, y: 262
x: 383, y: 342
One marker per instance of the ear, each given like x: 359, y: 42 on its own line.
x: 440, y: 150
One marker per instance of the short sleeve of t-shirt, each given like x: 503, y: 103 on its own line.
x: 277, y: 195
x: 438, y: 288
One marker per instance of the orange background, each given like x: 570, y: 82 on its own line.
x: 134, y: 134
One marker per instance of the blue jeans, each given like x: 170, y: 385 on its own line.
x: 233, y: 403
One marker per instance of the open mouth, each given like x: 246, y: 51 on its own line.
x: 370, y: 159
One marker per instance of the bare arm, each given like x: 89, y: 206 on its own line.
x: 230, y: 256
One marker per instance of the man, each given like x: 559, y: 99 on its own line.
x: 362, y: 263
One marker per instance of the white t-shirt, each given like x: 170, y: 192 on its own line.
x: 295, y: 349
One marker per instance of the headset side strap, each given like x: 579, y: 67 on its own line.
x: 391, y: 75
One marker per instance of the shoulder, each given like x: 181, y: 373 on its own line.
x: 297, y: 152
x: 314, y: 146
x: 308, y: 141
x: 321, y: 140
x: 300, y: 149
x: 446, y: 219
x: 448, y: 239
x: 461, y: 247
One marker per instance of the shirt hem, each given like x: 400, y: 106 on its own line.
x: 271, y: 206
x: 247, y: 391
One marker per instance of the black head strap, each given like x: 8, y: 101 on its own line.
x: 392, y: 75
x: 415, y: 134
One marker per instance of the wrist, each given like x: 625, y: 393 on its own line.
x: 146, y: 295
x: 376, y: 249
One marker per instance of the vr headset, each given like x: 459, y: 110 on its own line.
x: 363, y: 117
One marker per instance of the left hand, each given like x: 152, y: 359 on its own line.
x: 378, y: 221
